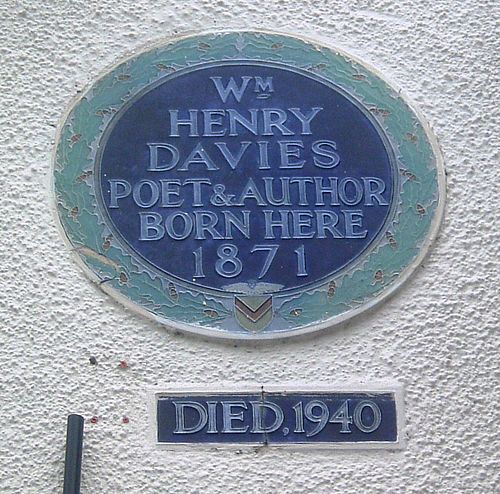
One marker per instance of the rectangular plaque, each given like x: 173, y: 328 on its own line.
x: 274, y: 416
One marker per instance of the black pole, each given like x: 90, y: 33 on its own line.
x: 73, y: 462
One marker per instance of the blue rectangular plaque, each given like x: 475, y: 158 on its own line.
x: 258, y: 416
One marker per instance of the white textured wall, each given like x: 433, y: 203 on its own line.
x: 437, y: 335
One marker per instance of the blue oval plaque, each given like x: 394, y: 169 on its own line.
x: 247, y: 184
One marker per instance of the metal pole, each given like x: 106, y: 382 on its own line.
x: 73, y: 461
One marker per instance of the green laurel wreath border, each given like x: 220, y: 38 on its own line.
x: 385, y: 268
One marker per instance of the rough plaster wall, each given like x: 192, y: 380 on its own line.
x: 436, y: 335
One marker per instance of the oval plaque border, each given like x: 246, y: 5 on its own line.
x: 379, y: 274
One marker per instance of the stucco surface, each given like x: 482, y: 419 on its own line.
x: 436, y: 336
